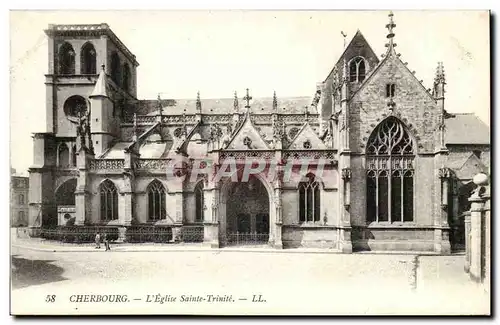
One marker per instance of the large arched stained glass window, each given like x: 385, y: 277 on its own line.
x: 109, y: 201
x: 390, y: 172
x: 156, y: 201
x: 309, y: 200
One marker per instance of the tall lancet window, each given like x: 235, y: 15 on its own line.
x: 66, y: 59
x: 88, y: 59
x: 309, y: 200
x: 357, y: 70
x: 156, y: 201
x: 126, y: 77
x: 109, y: 201
x: 116, y: 74
x: 198, y: 193
x: 390, y: 156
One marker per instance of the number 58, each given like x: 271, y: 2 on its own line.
x: 50, y: 298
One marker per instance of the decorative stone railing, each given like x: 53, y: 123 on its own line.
x: 263, y: 119
x: 240, y: 155
x: 107, y: 164
x: 309, y: 154
x: 152, y: 164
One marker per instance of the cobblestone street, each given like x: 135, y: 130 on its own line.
x: 291, y: 283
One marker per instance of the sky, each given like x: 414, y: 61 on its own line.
x: 218, y: 52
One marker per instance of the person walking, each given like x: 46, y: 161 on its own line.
x: 106, y: 242
x: 97, y: 241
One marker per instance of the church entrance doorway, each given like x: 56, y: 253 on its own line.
x: 247, y: 213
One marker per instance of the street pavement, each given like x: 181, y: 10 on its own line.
x: 282, y: 283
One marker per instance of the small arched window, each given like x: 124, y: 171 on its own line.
x: 156, y: 201
x: 20, y: 217
x: 309, y: 200
x: 198, y: 193
x: 88, y: 59
x: 357, y: 70
x: 66, y: 59
x: 126, y: 77
x: 109, y: 201
x: 21, y: 199
x: 63, y: 155
x: 115, y: 68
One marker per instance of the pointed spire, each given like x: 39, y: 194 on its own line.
x: 134, y: 137
x: 100, y: 88
x: 390, y: 35
x: 439, y: 78
x: 236, y: 104
x: 198, y: 103
x: 160, y: 107
x: 345, y: 71
x: 275, y: 102
x: 184, y: 126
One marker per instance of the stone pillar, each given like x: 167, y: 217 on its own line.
x: 210, y: 215
x: 467, y: 241
x: 441, y: 233
x: 345, y: 242
x: 277, y: 239
x: 486, y: 230
x: 479, y: 231
x: 83, y: 206
x: 475, y: 268
x: 129, y: 196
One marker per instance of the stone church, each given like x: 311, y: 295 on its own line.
x: 388, y: 166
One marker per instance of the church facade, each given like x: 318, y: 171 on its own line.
x: 369, y: 162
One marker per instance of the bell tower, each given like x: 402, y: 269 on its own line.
x: 76, y: 53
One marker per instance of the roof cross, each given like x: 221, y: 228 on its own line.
x: 390, y: 27
x: 247, y: 98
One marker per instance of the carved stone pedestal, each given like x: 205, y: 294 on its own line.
x: 211, y: 235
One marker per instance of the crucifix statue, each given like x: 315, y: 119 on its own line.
x: 247, y: 98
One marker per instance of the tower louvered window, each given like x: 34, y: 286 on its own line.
x: 357, y: 70
x: 390, y: 173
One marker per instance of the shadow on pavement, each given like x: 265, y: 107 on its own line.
x: 26, y: 272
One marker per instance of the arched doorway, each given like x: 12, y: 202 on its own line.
x: 247, y: 213
x: 64, y: 198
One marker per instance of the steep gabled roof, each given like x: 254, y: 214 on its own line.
x: 358, y: 37
x: 466, y: 129
x: 306, y: 133
x: 247, y: 129
x: 391, y: 53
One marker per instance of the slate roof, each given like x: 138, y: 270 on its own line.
x: 286, y: 105
x: 466, y: 128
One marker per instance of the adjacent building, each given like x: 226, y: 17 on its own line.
x: 19, y: 187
